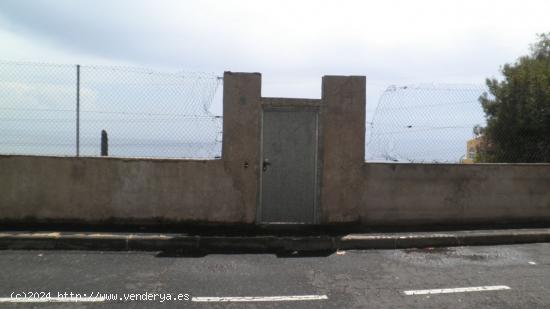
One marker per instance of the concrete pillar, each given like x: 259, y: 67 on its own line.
x: 241, y: 136
x: 342, y: 147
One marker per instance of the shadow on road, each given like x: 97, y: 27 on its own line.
x: 279, y: 254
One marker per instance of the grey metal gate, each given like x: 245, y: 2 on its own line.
x: 289, y: 165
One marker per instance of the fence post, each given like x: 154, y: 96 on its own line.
x: 104, y: 143
x: 78, y: 110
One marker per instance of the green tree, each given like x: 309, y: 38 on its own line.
x: 517, y: 109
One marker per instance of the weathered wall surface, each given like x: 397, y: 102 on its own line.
x: 241, y: 137
x: 420, y: 194
x: 101, y: 189
x: 342, y: 150
x: 39, y: 189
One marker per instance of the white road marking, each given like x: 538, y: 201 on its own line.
x: 458, y: 290
x: 532, y: 263
x: 195, y: 299
x: 51, y: 299
x: 259, y: 298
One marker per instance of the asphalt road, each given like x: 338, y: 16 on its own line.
x: 517, y: 277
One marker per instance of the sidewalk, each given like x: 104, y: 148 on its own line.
x: 265, y: 243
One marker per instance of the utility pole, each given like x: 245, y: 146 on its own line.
x: 78, y: 110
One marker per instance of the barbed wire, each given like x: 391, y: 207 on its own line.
x: 447, y: 124
x: 424, y: 123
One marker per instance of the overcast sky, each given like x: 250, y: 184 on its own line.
x: 293, y: 43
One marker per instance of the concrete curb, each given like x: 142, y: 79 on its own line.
x: 183, y: 242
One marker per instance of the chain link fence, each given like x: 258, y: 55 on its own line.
x: 63, y: 109
x: 445, y: 124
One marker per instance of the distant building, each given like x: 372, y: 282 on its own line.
x: 473, y: 148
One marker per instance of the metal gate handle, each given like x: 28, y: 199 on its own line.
x: 265, y: 164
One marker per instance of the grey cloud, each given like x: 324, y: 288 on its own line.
x: 140, y: 32
x: 114, y: 29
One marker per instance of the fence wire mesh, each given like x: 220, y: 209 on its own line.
x: 446, y: 124
x: 145, y: 113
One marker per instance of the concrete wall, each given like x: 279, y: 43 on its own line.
x: 56, y: 189
x: 343, y: 147
x: 241, y: 137
x: 440, y: 194
x: 145, y: 191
